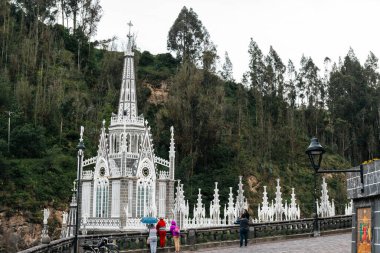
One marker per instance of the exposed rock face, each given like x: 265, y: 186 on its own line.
x: 18, y: 234
x: 253, y: 183
x: 158, y: 95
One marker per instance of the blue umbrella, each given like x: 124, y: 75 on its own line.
x: 149, y: 220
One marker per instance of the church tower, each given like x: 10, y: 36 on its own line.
x: 171, y: 154
x: 127, y: 101
x: 126, y: 180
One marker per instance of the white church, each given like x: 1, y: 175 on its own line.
x: 123, y: 183
x: 126, y: 181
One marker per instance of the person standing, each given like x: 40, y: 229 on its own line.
x: 244, y: 229
x: 161, y: 229
x: 174, y: 229
x: 152, y: 231
x: 246, y: 214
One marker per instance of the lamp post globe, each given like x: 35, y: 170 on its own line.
x: 315, y: 152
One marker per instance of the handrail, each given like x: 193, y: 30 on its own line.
x: 132, y: 240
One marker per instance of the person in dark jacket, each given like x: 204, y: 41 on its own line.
x: 246, y: 214
x: 244, y: 229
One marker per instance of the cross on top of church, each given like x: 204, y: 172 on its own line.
x: 130, y: 25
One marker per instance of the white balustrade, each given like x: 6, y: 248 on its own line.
x: 114, y: 155
x: 161, y: 161
x: 101, y: 223
x: 126, y: 120
x: 127, y: 172
x: 87, y: 174
x: 163, y: 174
x: 89, y: 161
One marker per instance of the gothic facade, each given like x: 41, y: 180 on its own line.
x: 123, y: 183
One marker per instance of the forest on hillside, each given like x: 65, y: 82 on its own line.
x: 54, y: 78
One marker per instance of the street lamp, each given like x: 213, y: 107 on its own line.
x: 315, y: 153
x: 80, y: 148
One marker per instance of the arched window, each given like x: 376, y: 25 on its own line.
x: 110, y: 138
x: 102, y: 195
x: 117, y: 143
x: 128, y: 142
x: 121, y: 139
x: 144, y: 198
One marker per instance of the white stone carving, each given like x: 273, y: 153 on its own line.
x: 181, y: 207
x: 215, y: 206
x: 240, y: 199
x: 293, y: 211
x: 230, y: 213
x: 64, y: 217
x: 46, y: 215
x: 279, y: 210
x: 267, y: 212
x: 348, y: 209
x: 326, y: 208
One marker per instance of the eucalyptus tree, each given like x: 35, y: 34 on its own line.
x: 290, y: 84
x: 256, y: 66
x: 227, y: 69
x: 350, y: 102
x: 371, y: 66
x: 308, y: 77
x: 278, y: 69
x: 188, y: 37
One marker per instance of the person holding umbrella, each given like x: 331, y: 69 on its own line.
x: 152, y: 238
x: 161, y: 229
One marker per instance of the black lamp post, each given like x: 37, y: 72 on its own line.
x: 315, y: 152
x: 80, y: 148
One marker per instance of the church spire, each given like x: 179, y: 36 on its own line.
x: 127, y: 101
x: 130, y: 42
x: 103, y: 146
x: 171, y: 154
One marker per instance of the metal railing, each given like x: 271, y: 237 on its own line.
x: 193, y: 238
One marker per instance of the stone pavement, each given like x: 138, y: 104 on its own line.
x: 337, y: 243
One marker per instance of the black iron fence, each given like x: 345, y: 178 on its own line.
x: 195, y: 238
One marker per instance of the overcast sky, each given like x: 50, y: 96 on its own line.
x: 316, y: 28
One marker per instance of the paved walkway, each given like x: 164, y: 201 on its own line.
x: 340, y: 243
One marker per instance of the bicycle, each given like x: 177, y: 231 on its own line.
x: 102, y: 247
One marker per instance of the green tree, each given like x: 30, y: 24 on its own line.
x: 28, y: 141
x: 226, y: 72
x: 256, y: 66
x: 187, y: 36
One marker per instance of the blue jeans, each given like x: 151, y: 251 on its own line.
x: 243, y: 235
x: 153, y: 244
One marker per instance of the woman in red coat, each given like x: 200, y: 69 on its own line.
x: 161, y: 229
